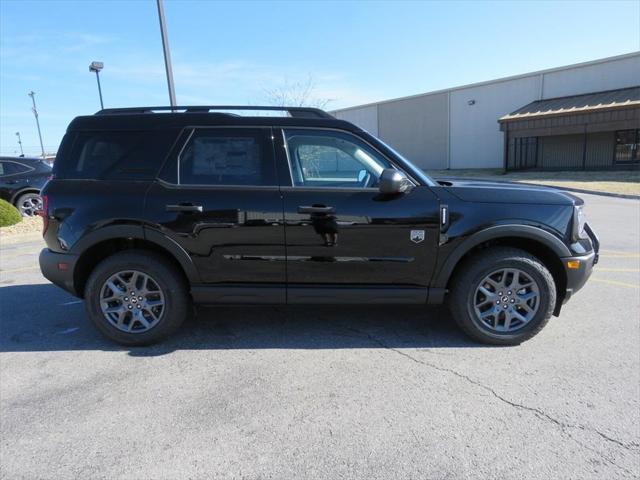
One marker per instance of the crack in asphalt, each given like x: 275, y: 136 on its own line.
x: 536, y: 411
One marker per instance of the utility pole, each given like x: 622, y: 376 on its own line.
x: 32, y: 94
x: 167, y: 53
x: 20, y: 143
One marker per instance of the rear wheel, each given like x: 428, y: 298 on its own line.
x: 136, y: 297
x: 502, y: 296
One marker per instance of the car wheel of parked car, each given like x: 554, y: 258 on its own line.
x: 136, y: 297
x: 502, y: 296
x: 29, y: 204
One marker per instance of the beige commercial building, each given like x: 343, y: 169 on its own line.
x: 583, y: 116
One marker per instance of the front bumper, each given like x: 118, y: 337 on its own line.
x: 59, y: 269
x: 577, y: 277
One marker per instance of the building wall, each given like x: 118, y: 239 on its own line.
x: 468, y: 136
x: 417, y: 128
x: 568, y: 151
x: 600, y: 149
x: 610, y: 75
x: 560, y: 151
x: 366, y: 118
x: 476, y: 140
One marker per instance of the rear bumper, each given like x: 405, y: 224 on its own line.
x: 58, y: 268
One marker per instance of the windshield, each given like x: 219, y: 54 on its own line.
x: 415, y: 171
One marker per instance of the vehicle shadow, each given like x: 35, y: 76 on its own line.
x: 41, y: 317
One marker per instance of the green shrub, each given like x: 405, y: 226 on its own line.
x: 9, y: 215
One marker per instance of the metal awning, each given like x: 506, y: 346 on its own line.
x: 576, y: 104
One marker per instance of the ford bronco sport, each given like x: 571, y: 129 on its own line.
x: 151, y: 209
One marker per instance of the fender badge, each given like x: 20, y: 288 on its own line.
x: 417, y: 236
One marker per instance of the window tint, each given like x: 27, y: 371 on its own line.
x: 333, y: 159
x: 12, y: 168
x: 115, y: 155
x: 228, y: 157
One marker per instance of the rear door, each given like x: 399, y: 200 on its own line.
x: 218, y: 198
x: 343, y: 237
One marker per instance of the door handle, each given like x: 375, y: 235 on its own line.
x: 184, y: 207
x: 316, y: 209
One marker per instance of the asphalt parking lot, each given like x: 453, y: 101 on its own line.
x: 273, y: 393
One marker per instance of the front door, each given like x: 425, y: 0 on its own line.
x: 219, y: 200
x: 341, y: 233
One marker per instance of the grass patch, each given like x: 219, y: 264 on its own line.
x: 9, y: 215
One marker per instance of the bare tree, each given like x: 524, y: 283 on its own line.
x: 296, y: 94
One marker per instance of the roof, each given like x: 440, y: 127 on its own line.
x: 590, y: 102
x: 497, y: 80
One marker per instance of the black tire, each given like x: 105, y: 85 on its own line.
x: 169, y: 280
x: 474, y: 270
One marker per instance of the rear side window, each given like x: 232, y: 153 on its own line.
x: 13, y: 168
x: 228, y: 156
x: 130, y: 155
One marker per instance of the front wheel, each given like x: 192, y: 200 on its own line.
x: 136, y: 298
x: 502, y: 296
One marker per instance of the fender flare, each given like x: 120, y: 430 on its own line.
x: 133, y: 231
x: 499, y: 231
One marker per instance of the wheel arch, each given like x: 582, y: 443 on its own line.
x: 16, y: 195
x: 120, y: 238
x: 539, y: 243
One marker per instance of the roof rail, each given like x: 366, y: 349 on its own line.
x: 298, y: 112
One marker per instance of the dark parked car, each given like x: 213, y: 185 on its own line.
x: 148, y: 212
x: 20, y: 182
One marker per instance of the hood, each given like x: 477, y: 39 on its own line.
x: 471, y: 190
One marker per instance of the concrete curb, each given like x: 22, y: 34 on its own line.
x: 570, y: 189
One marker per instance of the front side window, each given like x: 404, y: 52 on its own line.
x: 324, y: 158
x: 228, y: 157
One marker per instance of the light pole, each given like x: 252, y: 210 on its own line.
x: 20, y: 143
x: 32, y: 94
x: 96, y: 67
x: 167, y: 54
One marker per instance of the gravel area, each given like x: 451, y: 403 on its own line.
x: 27, y: 225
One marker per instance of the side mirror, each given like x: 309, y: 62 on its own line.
x: 393, y: 181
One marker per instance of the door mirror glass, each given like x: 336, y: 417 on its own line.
x: 393, y: 181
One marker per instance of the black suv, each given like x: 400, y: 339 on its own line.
x: 20, y: 182
x: 150, y: 209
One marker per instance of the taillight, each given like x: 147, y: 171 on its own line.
x: 44, y: 213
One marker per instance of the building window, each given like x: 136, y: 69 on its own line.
x: 627, y: 146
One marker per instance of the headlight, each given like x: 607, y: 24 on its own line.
x: 579, y: 221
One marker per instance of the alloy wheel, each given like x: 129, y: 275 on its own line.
x: 30, y: 205
x: 132, y: 301
x: 506, y: 300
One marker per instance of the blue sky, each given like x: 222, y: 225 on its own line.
x: 231, y: 52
